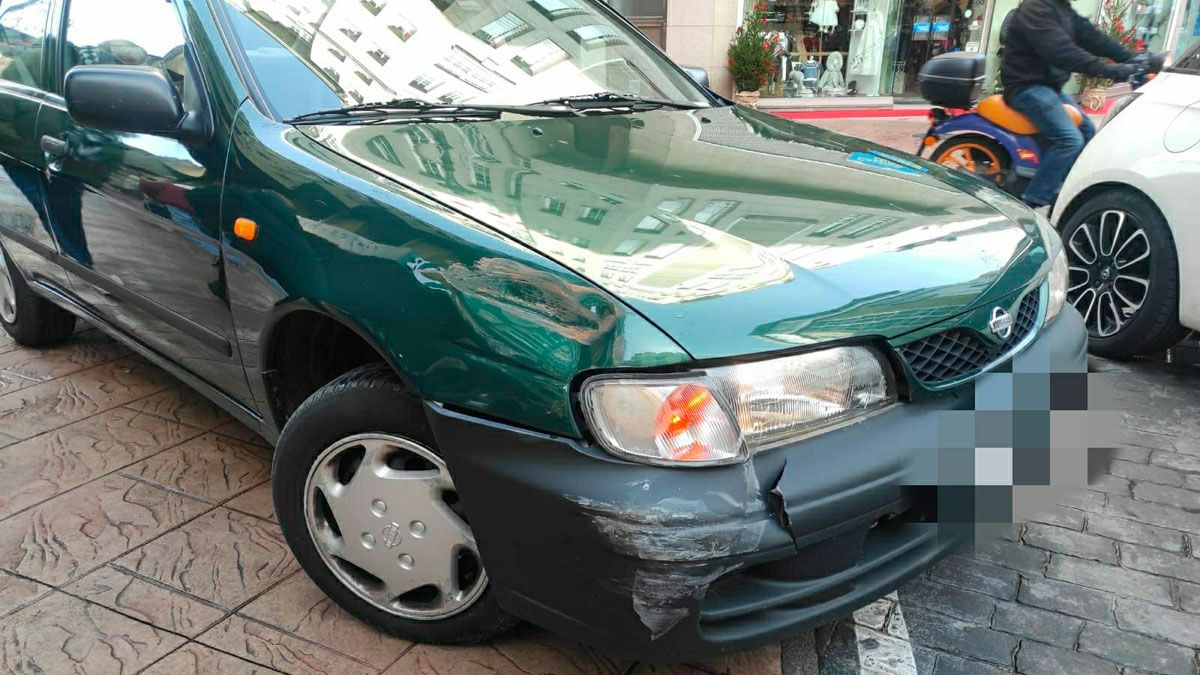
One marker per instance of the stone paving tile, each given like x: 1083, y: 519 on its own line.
x: 64, y: 537
x: 197, y: 659
x: 82, y: 351
x: 753, y: 662
x: 60, y: 634
x: 1038, y: 624
x: 223, y: 557
x: 183, y: 404
x: 256, y: 502
x: 211, y: 467
x: 16, y: 592
x: 528, y: 651
x: 241, y: 432
x: 44, y: 466
x: 151, y: 603
x: 1158, y: 622
x: 49, y: 405
x: 1061, y: 540
x: 1135, y: 532
x: 298, y: 607
x: 1110, y: 578
x: 1125, y: 648
x: 269, y: 647
x: 1035, y: 658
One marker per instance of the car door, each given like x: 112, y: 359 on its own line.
x: 23, y: 91
x: 137, y: 215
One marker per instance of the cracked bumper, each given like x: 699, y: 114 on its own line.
x: 663, y: 564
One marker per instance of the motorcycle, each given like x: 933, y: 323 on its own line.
x: 985, y: 137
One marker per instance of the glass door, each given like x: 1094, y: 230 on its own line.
x: 929, y: 28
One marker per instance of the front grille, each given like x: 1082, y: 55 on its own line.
x: 960, y: 352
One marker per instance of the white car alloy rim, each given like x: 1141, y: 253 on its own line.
x: 1109, y: 257
x: 383, y: 514
x: 8, y: 292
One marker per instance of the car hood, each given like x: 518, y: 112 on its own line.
x: 734, y: 231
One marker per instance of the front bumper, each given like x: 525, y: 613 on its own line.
x: 672, y: 564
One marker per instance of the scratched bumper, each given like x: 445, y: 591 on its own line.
x: 669, y: 564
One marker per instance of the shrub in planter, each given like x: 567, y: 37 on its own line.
x: 752, y: 55
x: 1112, y: 23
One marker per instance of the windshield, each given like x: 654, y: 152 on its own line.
x: 310, y: 55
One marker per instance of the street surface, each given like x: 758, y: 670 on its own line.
x: 137, y: 533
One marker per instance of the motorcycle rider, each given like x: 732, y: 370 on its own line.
x: 1044, y: 43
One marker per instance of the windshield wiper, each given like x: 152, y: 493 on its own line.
x: 415, y: 108
x: 608, y: 100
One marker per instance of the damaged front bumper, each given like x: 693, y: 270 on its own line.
x: 668, y: 564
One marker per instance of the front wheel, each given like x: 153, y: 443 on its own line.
x: 371, y: 512
x: 30, y: 320
x: 976, y: 155
x: 1124, y: 274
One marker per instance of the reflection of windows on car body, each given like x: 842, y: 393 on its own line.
x: 374, y: 6
x: 350, y: 33
x: 592, y: 215
x: 503, y: 30
x: 540, y: 57
x: 553, y: 206
x: 337, y: 54
x: 715, y: 210
x: 651, y: 225
x: 482, y: 177
x: 381, y: 57
x: 423, y: 83
x: 402, y: 31
x: 629, y: 247
x: 364, y: 77
x: 558, y: 9
x: 674, y: 206
x: 596, y: 35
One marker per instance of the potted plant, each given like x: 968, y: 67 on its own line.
x: 1093, y: 91
x: 752, y: 56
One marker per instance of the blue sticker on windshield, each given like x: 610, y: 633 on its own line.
x: 879, y: 160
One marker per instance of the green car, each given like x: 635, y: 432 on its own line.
x: 541, y: 328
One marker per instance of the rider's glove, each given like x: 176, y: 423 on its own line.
x: 1157, y: 61
x: 1120, y: 72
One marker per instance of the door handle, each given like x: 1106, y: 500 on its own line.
x: 55, y: 148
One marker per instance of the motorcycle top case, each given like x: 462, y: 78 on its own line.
x: 953, y: 80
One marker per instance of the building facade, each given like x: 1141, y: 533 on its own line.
x: 868, y: 52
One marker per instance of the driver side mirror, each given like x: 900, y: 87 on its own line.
x: 698, y: 75
x: 132, y: 99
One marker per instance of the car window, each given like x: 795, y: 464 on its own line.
x: 22, y: 27
x: 98, y: 35
x: 316, y: 54
x: 1189, y: 62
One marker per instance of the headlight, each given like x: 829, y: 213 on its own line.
x: 1059, y: 275
x: 722, y: 415
x: 1119, y: 107
x: 1059, y: 272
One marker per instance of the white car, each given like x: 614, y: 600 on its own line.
x: 1128, y: 218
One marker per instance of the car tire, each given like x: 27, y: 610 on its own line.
x: 377, y: 532
x: 1124, y: 276
x: 30, y: 320
x: 977, y: 155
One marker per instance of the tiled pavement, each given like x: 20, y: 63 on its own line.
x: 136, y: 532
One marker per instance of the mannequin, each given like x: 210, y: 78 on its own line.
x: 832, y: 81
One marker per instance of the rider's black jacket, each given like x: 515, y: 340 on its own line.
x: 1046, y: 41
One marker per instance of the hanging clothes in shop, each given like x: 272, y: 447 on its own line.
x: 868, y: 55
x: 824, y: 14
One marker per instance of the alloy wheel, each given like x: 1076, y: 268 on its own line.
x: 1109, y: 259
x: 385, y: 518
x: 8, y: 292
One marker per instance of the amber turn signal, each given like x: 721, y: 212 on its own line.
x: 244, y: 228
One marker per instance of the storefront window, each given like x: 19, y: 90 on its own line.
x: 929, y: 28
x: 1151, y: 22
x: 1187, y: 32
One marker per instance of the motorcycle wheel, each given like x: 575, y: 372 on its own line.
x: 976, y: 155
